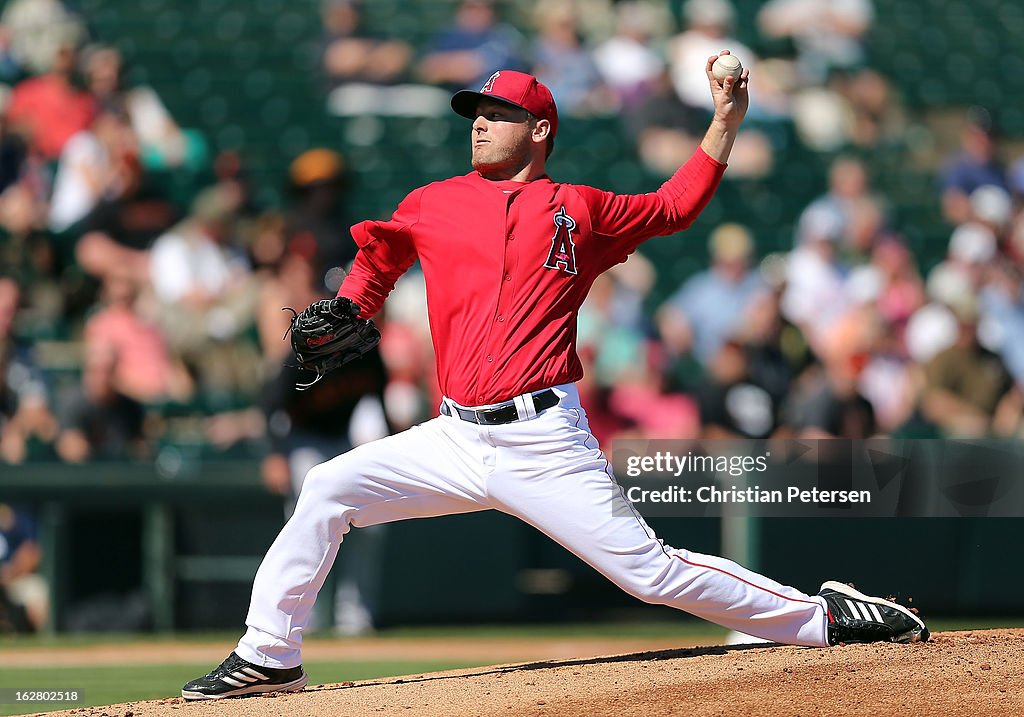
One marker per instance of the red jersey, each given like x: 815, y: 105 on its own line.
x: 508, y: 264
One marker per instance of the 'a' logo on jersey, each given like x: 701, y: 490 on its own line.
x: 489, y: 85
x: 563, y: 250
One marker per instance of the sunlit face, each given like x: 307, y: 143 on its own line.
x: 501, y: 137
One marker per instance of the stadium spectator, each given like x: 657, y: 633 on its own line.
x: 968, y: 388
x: 37, y: 29
x: 826, y: 400
x: 24, y: 400
x: 162, y: 143
x: 49, y: 109
x: 706, y: 31
x: 874, y: 345
x: 732, y: 403
x: 98, y: 422
x: 973, y: 247
x: 878, y: 112
x: 1001, y: 307
x: 412, y: 393
x: 902, y: 289
x: 96, y: 164
x: 628, y: 61
x: 24, y: 596
x: 366, y: 72
x: 855, y: 212
x: 828, y: 34
x: 992, y: 207
x: 145, y: 371
x: 561, y: 61
x: 708, y: 24
x: 973, y: 165
x: 776, y: 351
x: 473, y: 47
x: 613, y: 329
x: 625, y: 367
x: 934, y: 327
x: 316, y: 223
x: 708, y: 308
x: 206, y: 293
x: 29, y: 256
x: 289, y: 278
x: 353, y: 54
x: 815, y: 295
x: 664, y: 130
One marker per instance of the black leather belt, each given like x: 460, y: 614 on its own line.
x: 505, y: 412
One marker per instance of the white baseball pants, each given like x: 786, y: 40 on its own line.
x: 548, y: 471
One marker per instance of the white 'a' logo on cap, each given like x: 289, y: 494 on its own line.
x: 489, y: 85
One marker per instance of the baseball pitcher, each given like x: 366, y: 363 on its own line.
x: 508, y: 256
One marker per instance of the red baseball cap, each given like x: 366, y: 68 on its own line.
x: 515, y: 88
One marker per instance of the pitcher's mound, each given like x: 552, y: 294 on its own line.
x: 957, y: 673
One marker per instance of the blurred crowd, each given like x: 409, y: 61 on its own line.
x: 141, y: 286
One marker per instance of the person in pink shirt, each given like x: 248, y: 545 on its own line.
x: 49, y: 109
x: 145, y: 371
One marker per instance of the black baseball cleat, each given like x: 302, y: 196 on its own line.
x: 236, y: 676
x: 856, y: 617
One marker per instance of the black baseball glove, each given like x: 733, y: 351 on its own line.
x: 328, y: 334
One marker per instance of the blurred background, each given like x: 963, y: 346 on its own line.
x: 173, y: 173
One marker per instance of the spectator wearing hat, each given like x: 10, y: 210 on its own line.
x: 317, y: 226
x: 972, y: 250
x: 992, y: 207
x: 709, y: 306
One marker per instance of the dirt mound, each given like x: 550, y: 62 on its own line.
x: 961, y: 673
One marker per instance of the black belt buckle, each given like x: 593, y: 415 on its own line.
x: 507, y: 413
